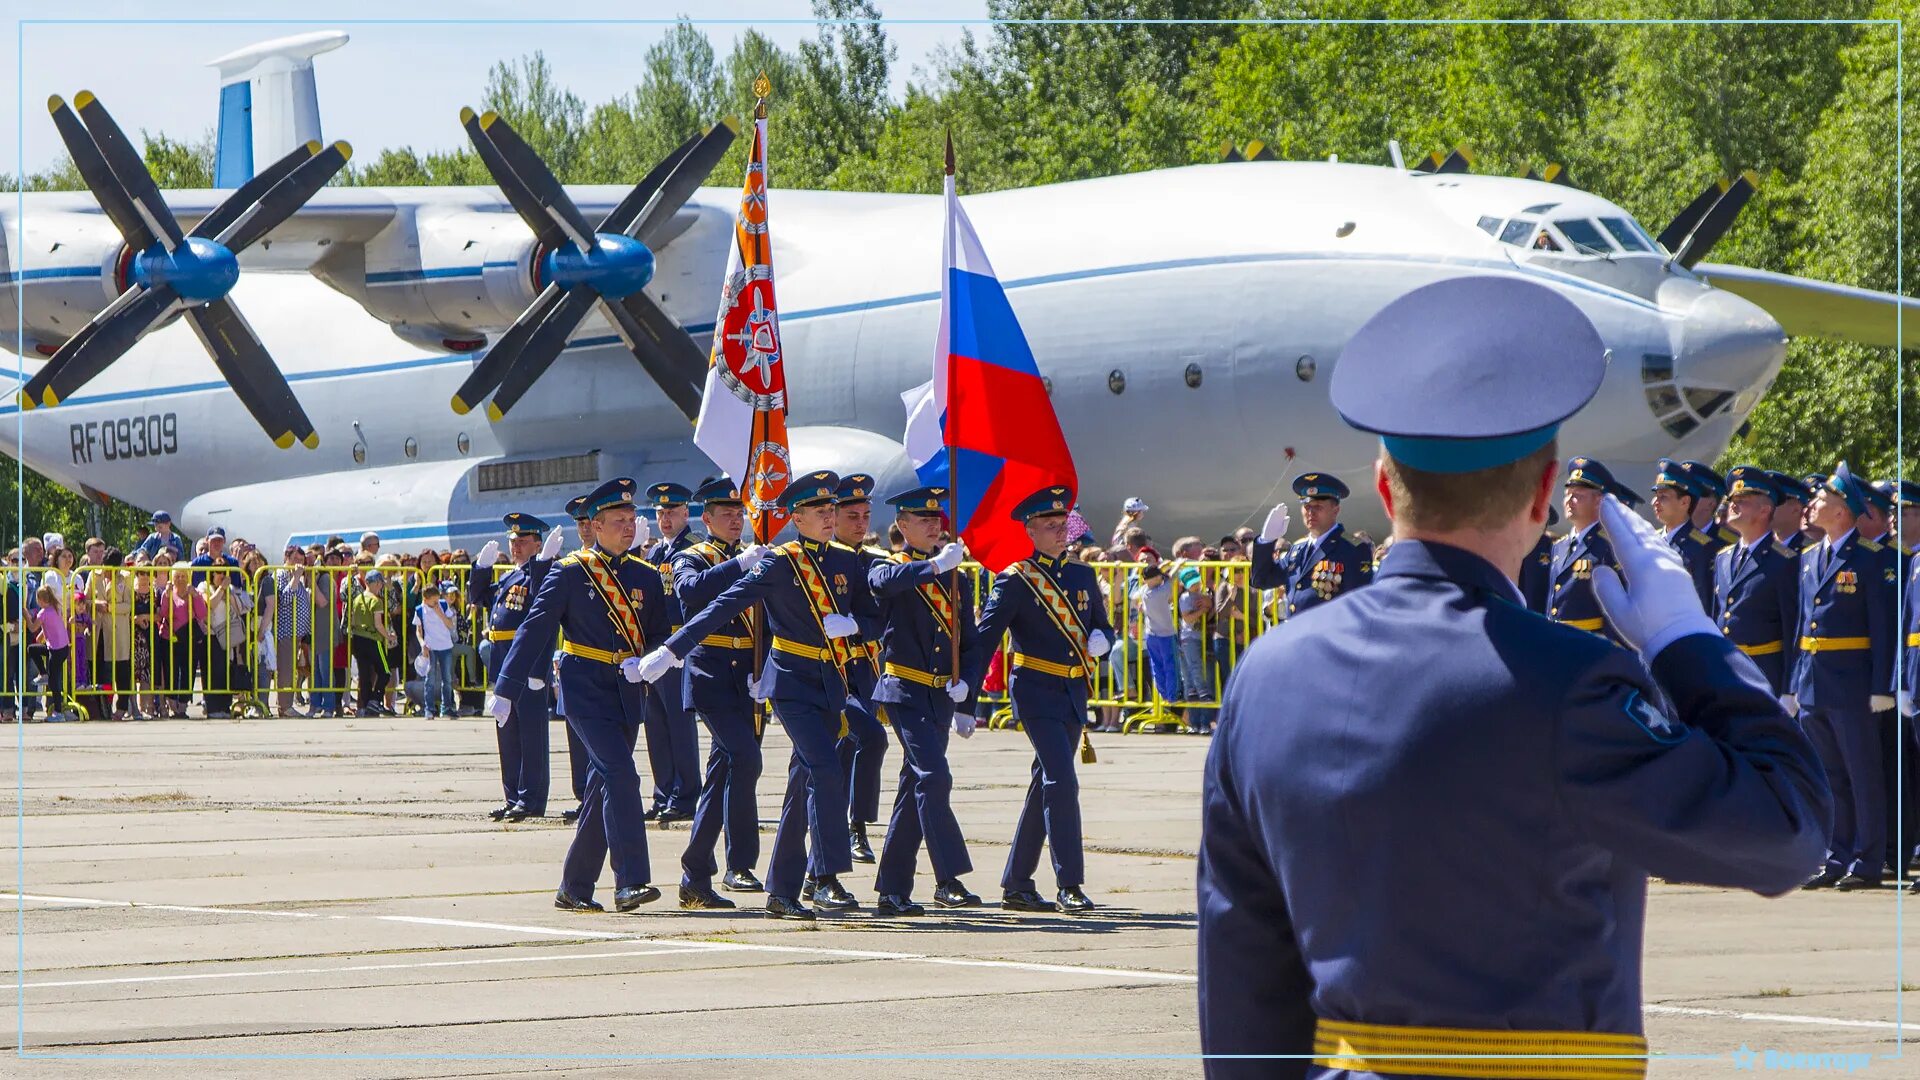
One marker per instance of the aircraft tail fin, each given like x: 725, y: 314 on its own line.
x: 268, y: 104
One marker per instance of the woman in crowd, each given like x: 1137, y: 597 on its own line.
x: 182, y: 614
x: 111, y: 590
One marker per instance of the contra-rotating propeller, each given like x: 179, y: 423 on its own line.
x: 576, y: 266
x: 163, y: 272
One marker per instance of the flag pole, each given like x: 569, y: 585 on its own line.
x: 946, y: 436
x: 757, y: 619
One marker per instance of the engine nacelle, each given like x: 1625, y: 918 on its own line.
x: 444, y: 280
x: 70, y: 266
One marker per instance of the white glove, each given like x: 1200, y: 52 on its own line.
x: 1276, y: 527
x: 963, y: 725
x: 1663, y: 606
x: 630, y: 669
x: 754, y: 691
x: 957, y: 690
x: 642, y: 534
x: 555, y: 540
x: 654, y: 665
x: 753, y: 555
x: 536, y: 684
x: 1907, y: 707
x: 489, y: 555
x: 1098, y: 644
x: 839, y: 626
x: 1880, y: 703
x: 499, y: 708
x: 1791, y: 704
x: 950, y: 556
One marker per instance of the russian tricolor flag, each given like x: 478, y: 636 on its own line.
x: 986, y: 410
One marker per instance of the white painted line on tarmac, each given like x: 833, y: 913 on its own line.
x: 546, y: 931
x: 89, y: 902
x: 209, y: 975
x: 1779, y: 1018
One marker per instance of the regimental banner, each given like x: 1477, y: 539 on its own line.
x: 743, y: 415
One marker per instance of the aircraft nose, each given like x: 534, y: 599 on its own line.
x: 1725, y: 344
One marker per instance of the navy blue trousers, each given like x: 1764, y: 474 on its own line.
x: 923, y: 805
x: 1052, y: 810
x: 612, y: 825
x: 1849, y: 747
x: 673, y: 745
x: 728, y: 800
x: 523, y: 753
x: 576, y: 763
x: 863, y: 761
x: 822, y: 813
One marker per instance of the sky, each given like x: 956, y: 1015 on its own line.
x: 391, y: 85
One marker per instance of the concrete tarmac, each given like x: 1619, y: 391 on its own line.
x: 199, y: 897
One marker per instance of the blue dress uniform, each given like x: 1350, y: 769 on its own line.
x: 576, y: 750
x: 1847, y: 626
x: 863, y: 752
x: 522, y: 738
x: 1536, y: 573
x: 1696, y: 548
x: 1432, y: 697
x: 602, y: 705
x: 1756, y: 592
x: 1049, y: 690
x: 1714, y: 486
x: 717, y: 670
x: 922, y: 613
x: 1313, y: 571
x: 802, y: 679
x: 1570, y: 600
x: 673, y: 740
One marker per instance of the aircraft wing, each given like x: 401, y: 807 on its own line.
x: 1808, y: 308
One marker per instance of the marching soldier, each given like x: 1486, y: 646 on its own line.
x: 863, y: 752
x: 1058, y: 620
x: 718, y: 669
x: 576, y: 750
x: 1843, y: 674
x: 1320, y: 567
x: 1790, y: 509
x: 928, y: 616
x: 522, y: 734
x: 1712, y: 487
x: 1756, y: 580
x: 1676, y: 495
x: 1378, y: 722
x: 612, y: 606
x: 1536, y: 573
x: 1585, y: 548
x: 1909, y: 696
x: 813, y: 592
x: 673, y: 742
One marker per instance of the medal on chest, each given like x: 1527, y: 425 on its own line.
x: 1327, y: 576
x: 1846, y: 581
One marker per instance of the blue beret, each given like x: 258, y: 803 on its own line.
x: 721, y: 492
x: 577, y: 509
x: 1469, y: 373
x: 811, y: 488
x: 1788, y: 486
x: 853, y: 488
x: 1673, y: 475
x: 1848, y: 486
x: 1048, y: 500
x: 1746, y: 479
x: 524, y: 525
x: 920, y: 500
x: 1315, y: 485
x: 1705, y: 479
x: 1586, y: 472
x: 615, y: 492
x: 668, y: 495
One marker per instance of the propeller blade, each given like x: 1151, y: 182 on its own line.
x: 127, y: 166
x: 1558, y: 174
x: 1257, y: 151
x: 1718, y: 220
x: 687, y: 177
x: 250, y: 192
x: 540, y: 180
x: 1530, y: 174
x: 630, y: 208
x: 546, y: 232
x: 541, y: 349
x: 237, y: 351
x: 100, y: 180
x: 1458, y: 160
x: 290, y: 194
x: 100, y: 343
x: 1430, y: 163
x: 1229, y: 152
x: 662, y: 348
x: 1684, y: 222
x: 486, y: 375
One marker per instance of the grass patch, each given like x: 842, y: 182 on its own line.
x: 1776, y: 991
x: 153, y: 797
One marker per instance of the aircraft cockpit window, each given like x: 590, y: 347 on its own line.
x: 1545, y: 242
x: 1541, y: 209
x: 1629, y: 236
x: 1585, y: 237
x: 1518, y: 231
x: 1489, y: 225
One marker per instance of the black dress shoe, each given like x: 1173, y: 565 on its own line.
x: 897, y: 907
x: 741, y: 881
x: 1026, y: 900
x: 570, y: 816
x: 703, y: 898
x: 1914, y: 886
x: 952, y: 894
x: 779, y: 907
x: 1856, y: 882
x: 1073, y: 901
x: 518, y: 813
x: 830, y: 895
x: 668, y: 817
x: 862, y: 851
x: 500, y: 813
x: 633, y: 896
x: 652, y: 812
x: 566, y: 901
x: 807, y: 887
x: 1825, y: 879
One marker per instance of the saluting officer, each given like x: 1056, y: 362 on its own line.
x: 522, y: 733
x: 1585, y: 548
x: 928, y: 617
x: 813, y: 592
x: 1675, y: 494
x: 1323, y: 565
x: 673, y: 741
x: 612, y: 607
x: 863, y: 752
x: 1756, y: 580
x: 718, y: 669
x: 1536, y: 572
x: 1843, y: 676
x: 1054, y: 610
x: 1431, y: 697
x: 1790, y: 509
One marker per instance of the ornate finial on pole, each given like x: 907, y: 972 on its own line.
x: 762, y: 89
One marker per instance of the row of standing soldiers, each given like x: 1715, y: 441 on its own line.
x: 840, y: 640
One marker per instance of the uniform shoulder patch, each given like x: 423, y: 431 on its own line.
x: 1701, y: 538
x: 879, y: 553
x: 1783, y: 550
x: 838, y: 546
x: 1659, y: 727
x: 569, y: 560
x: 1872, y: 545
